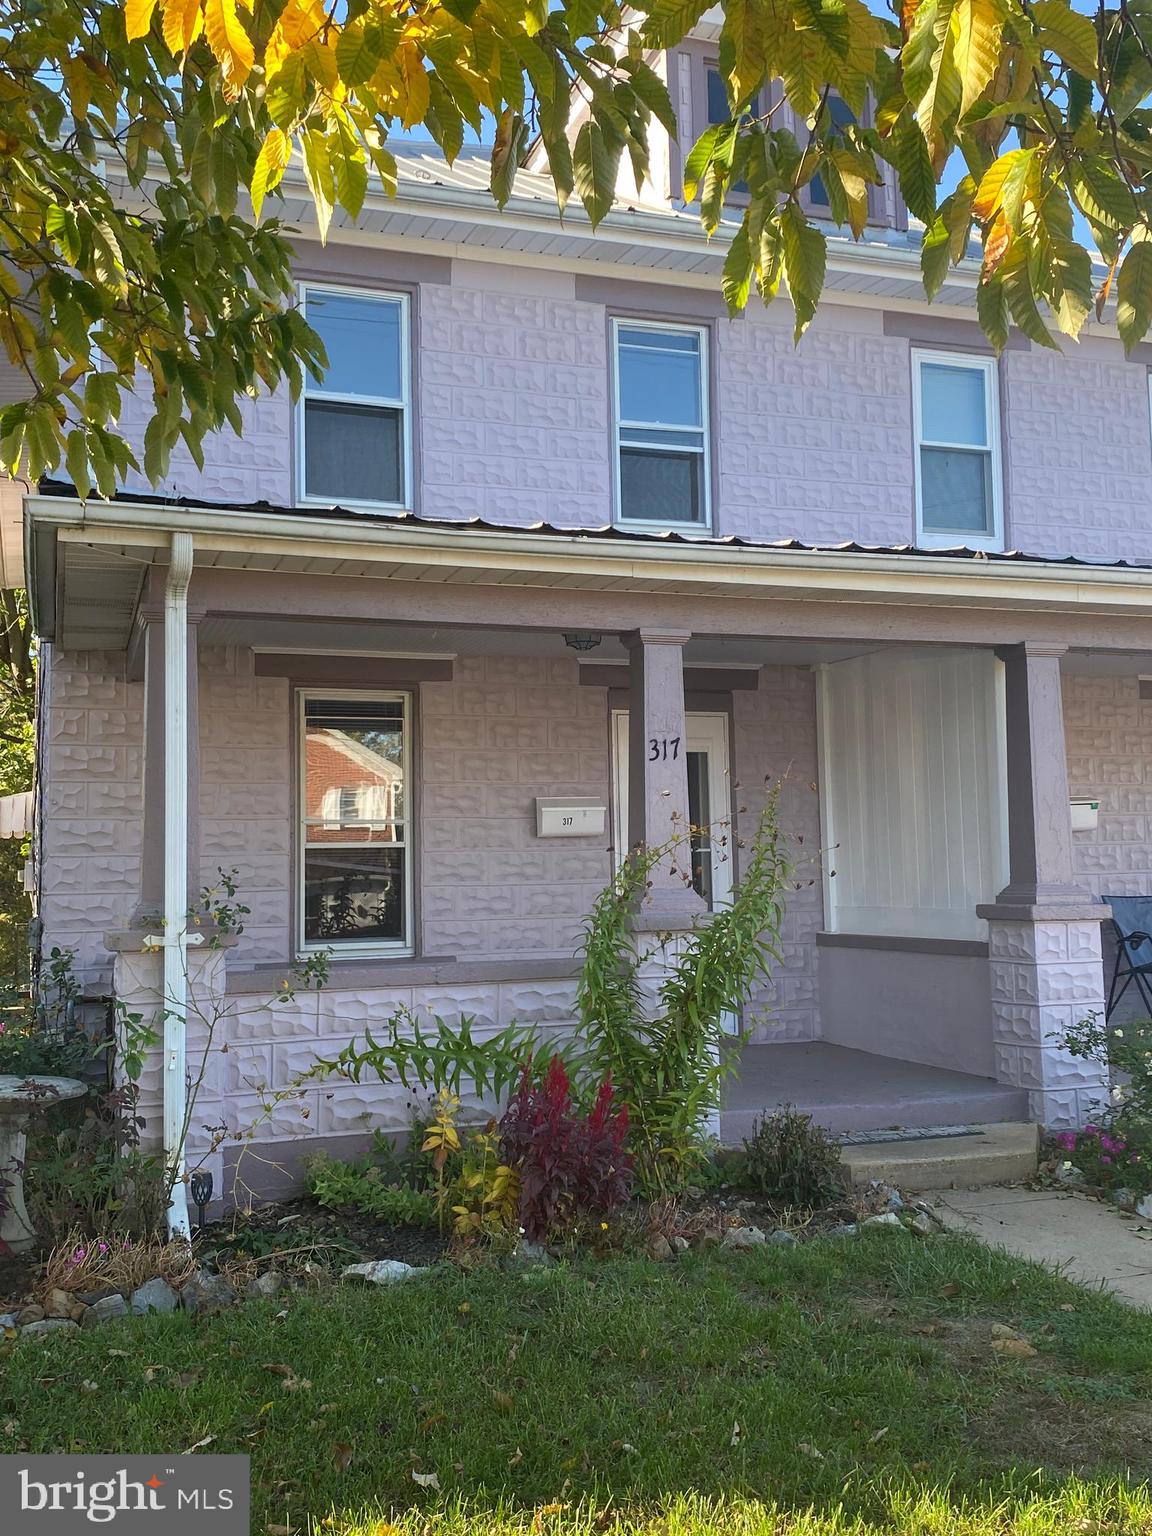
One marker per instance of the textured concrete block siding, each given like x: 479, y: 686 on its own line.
x: 512, y: 422
x: 92, y: 808
x: 1109, y: 736
x: 514, y: 393
x: 255, y: 467
x: 1079, y: 460
x: 815, y: 442
x: 1108, y: 729
x: 247, y: 795
x: 505, y: 730
x: 774, y: 737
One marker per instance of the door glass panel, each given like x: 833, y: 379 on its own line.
x: 699, y: 801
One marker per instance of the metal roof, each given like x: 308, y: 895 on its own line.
x: 604, y: 533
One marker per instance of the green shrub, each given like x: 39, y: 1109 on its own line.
x: 667, y: 1062
x: 361, y: 1186
x: 1115, y: 1150
x: 790, y: 1161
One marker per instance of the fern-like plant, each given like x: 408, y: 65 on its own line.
x: 668, y: 1064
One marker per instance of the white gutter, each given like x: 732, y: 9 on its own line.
x: 862, y: 575
x: 175, y: 936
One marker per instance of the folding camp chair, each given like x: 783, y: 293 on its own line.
x: 1132, y: 925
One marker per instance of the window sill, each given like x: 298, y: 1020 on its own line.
x: 430, y: 970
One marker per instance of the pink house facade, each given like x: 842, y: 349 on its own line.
x: 558, y: 558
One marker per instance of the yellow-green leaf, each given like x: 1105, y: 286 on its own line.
x: 138, y: 17
x: 594, y: 165
x: 1068, y: 34
x: 978, y: 26
x: 805, y: 261
x: 270, y: 166
x: 1134, y: 294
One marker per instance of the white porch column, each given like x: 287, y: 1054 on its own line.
x: 658, y: 776
x: 1043, y: 928
x: 174, y: 937
x: 151, y: 903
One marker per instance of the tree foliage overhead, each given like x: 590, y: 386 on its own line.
x: 144, y: 144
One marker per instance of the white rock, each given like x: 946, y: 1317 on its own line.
x: 1144, y: 1207
x: 380, y: 1272
x: 154, y: 1295
x: 48, y: 1325
x: 743, y: 1237
x: 889, y: 1221
x: 106, y: 1310
x: 783, y: 1238
x: 843, y: 1229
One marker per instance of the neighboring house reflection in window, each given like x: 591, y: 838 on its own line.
x: 355, y: 861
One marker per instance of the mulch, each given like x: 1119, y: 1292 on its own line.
x: 339, y: 1237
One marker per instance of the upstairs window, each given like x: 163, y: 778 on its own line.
x: 661, y: 423
x: 354, y: 426
x: 355, y: 858
x: 958, y: 478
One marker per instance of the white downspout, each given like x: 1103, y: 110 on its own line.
x: 175, y: 936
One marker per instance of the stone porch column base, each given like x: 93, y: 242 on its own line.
x: 138, y: 987
x: 1046, y: 974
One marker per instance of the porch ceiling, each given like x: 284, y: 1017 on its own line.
x: 288, y: 636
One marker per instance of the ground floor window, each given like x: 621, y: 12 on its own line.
x: 355, y: 857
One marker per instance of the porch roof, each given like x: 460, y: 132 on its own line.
x: 88, y: 560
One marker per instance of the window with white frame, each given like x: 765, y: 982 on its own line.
x: 958, y: 475
x: 661, y: 406
x: 355, y: 426
x: 355, y: 863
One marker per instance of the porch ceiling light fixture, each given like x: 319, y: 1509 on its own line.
x: 582, y: 639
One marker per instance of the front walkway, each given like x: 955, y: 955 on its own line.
x: 1085, y: 1239
x: 847, y: 1090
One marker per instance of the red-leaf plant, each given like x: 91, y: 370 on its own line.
x: 572, y: 1165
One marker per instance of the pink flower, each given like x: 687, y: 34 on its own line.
x: 1107, y: 1161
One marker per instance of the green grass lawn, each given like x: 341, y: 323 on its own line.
x: 838, y: 1387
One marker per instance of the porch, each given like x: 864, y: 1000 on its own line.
x: 848, y: 1090
x: 943, y: 924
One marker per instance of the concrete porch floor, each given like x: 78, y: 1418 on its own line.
x: 847, y: 1090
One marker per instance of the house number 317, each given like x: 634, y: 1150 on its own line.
x: 662, y: 749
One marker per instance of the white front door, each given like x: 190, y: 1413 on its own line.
x: 709, y: 801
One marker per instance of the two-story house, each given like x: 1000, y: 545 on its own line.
x: 559, y: 556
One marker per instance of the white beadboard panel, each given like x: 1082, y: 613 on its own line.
x: 913, y: 768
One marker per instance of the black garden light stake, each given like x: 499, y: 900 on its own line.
x: 200, y: 1186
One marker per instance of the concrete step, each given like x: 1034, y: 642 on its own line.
x: 997, y: 1154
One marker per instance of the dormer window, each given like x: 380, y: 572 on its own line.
x: 842, y: 116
